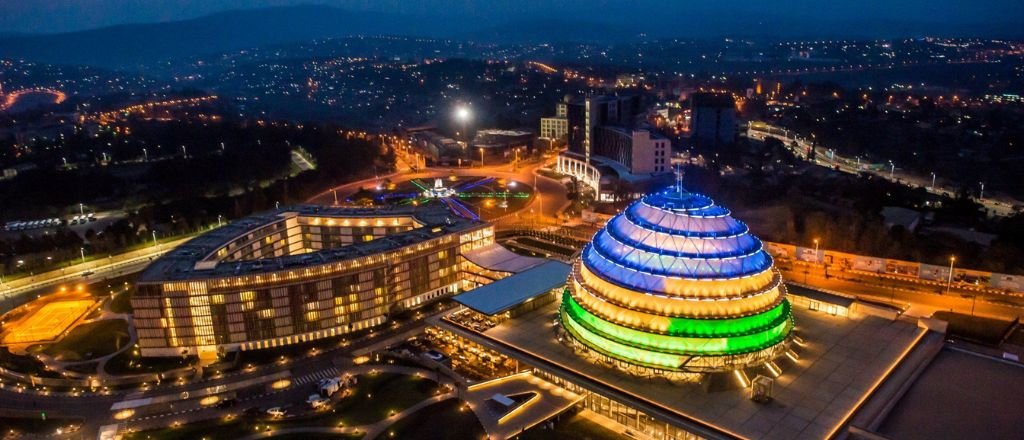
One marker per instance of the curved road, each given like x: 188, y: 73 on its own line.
x: 551, y: 195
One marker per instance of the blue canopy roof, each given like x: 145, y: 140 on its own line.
x: 506, y: 293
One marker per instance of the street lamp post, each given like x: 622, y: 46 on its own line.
x: 462, y: 114
x: 981, y: 195
x: 892, y: 169
x: 816, y: 250
x: 481, y: 157
x: 82, y: 250
x: 949, y: 280
x: 933, y: 181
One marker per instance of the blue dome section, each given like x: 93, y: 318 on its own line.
x: 674, y: 234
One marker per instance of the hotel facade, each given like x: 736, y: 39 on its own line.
x: 297, y: 275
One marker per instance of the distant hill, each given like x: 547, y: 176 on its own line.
x: 553, y: 31
x: 131, y: 45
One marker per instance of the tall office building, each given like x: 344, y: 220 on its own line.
x: 607, y: 143
x: 713, y: 118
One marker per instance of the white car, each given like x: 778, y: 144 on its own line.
x: 276, y: 412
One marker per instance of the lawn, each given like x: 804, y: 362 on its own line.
x: 442, y: 420
x: 90, y: 341
x: 372, y: 400
x: 121, y: 303
x: 127, y: 363
x: 21, y: 364
x: 571, y: 428
x: 377, y: 395
x: 35, y: 425
x: 219, y: 429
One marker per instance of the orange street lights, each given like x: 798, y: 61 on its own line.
x: 949, y: 281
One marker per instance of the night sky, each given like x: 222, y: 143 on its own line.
x: 48, y: 16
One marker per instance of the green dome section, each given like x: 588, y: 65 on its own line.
x: 675, y: 284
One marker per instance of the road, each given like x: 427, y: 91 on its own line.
x: 252, y: 388
x: 994, y: 204
x: 923, y: 299
x: 551, y: 195
x: 11, y: 292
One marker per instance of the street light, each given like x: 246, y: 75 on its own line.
x: 892, y: 169
x: 981, y: 196
x: 949, y: 281
x: 933, y: 181
x: 481, y: 157
x: 816, y: 250
x: 82, y: 250
x: 463, y: 115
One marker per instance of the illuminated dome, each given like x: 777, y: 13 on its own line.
x: 674, y: 283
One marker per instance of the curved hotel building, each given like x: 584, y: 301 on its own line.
x: 674, y: 284
x: 296, y: 275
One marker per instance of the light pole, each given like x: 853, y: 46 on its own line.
x: 154, y: 237
x: 218, y: 220
x: 481, y: 157
x: 981, y: 195
x: 949, y: 281
x: 82, y: 250
x: 145, y: 155
x: 892, y: 169
x: 933, y: 181
x: 81, y: 209
x: 816, y: 258
x: 463, y: 115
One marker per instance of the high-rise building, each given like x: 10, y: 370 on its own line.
x: 587, y: 114
x: 713, y: 118
x: 606, y: 143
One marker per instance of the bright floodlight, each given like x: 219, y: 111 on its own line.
x: 462, y: 113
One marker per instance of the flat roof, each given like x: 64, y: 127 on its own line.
x: 511, y: 291
x: 960, y: 395
x: 840, y: 362
x: 497, y: 257
x: 818, y: 295
x: 180, y: 263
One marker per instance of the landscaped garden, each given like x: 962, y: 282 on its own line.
x: 375, y: 398
x: 446, y: 420
x: 90, y: 341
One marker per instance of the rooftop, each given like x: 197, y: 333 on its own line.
x: 180, y: 263
x: 842, y: 361
x: 715, y: 100
x: 506, y: 293
x: 497, y: 257
x: 960, y: 395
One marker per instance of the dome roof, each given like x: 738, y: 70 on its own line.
x: 675, y: 274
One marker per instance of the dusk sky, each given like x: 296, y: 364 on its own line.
x: 47, y: 16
